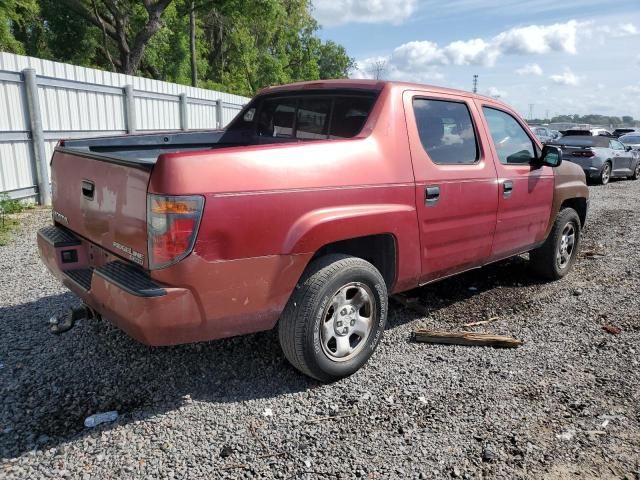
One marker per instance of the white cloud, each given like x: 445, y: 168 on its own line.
x: 632, y: 89
x: 559, y: 37
x: 530, y: 69
x: 496, y: 92
x: 338, y: 12
x: 418, y: 57
x: 566, y: 78
x: 418, y: 54
x: 626, y: 29
x: 471, y: 52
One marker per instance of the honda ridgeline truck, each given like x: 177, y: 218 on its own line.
x: 317, y: 201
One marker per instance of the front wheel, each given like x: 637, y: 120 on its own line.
x: 335, y: 317
x: 636, y: 172
x: 554, y: 259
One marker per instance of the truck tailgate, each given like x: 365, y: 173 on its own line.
x: 103, y: 201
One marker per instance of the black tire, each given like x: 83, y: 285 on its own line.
x: 310, y: 304
x: 636, y: 172
x: 605, y: 173
x: 544, y: 260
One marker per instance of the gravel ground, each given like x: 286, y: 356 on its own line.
x: 564, y: 405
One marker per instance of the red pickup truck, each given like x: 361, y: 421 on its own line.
x: 318, y: 201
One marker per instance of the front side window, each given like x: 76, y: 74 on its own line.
x: 446, y: 131
x: 512, y: 143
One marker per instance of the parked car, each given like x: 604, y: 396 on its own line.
x: 576, y: 132
x: 543, y: 133
x: 631, y: 140
x: 318, y: 201
x: 618, y: 132
x: 601, y: 158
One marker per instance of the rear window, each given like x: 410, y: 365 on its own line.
x: 630, y: 139
x: 583, y: 141
x: 315, y: 116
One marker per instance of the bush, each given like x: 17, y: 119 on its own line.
x: 9, y: 205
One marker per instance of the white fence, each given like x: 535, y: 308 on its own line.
x: 43, y: 101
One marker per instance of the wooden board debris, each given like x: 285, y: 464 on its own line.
x: 466, y: 338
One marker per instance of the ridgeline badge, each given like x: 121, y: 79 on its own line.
x: 131, y: 253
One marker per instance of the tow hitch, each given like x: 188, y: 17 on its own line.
x: 65, y: 322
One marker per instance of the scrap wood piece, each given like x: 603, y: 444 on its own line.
x: 593, y: 253
x: 466, y: 338
x: 413, y: 303
x: 612, y: 329
x: 481, y: 322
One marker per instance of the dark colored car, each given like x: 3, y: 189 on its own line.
x: 601, y: 158
x: 618, y: 132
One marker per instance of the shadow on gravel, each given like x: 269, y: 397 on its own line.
x: 51, y: 383
x: 510, y: 276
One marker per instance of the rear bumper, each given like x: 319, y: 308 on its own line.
x: 194, y: 300
x: 151, y: 313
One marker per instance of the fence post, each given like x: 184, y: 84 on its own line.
x: 219, y: 113
x: 129, y: 109
x: 184, y: 119
x: 37, y: 136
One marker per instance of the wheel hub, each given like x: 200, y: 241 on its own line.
x: 345, y: 321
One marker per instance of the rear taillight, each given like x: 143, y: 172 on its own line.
x: 584, y: 153
x: 172, y: 227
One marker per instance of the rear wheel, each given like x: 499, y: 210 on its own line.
x: 605, y: 174
x: 554, y: 259
x: 334, y: 318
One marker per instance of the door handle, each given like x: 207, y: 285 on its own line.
x: 431, y: 195
x: 507, y: 188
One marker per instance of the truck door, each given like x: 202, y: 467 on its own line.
x: 526, y: 189
x: 456, y: 189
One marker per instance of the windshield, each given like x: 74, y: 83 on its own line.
x: 301, y: 116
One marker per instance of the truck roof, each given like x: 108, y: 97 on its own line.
x: 369, y: 85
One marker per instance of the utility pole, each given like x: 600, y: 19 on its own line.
x: 531, y: 105
x: 475, y: 83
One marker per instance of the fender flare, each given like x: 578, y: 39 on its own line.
x: 322, y: 226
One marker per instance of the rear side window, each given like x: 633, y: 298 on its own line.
x: 512, y: 143
x: 446, y: 131
x: 315, y: 116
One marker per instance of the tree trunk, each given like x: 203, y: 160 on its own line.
x: 192, y: 40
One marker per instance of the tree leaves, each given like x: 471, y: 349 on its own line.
x: 241, y: 45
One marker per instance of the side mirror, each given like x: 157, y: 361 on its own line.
x: 551, y: 156
x: 628, y: 148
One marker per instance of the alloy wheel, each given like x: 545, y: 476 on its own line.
x: 347, y: 321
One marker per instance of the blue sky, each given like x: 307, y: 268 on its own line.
x: 562, y: 56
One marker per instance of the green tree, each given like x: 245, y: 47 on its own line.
x: 238, y: 46
x: 14, y: 16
